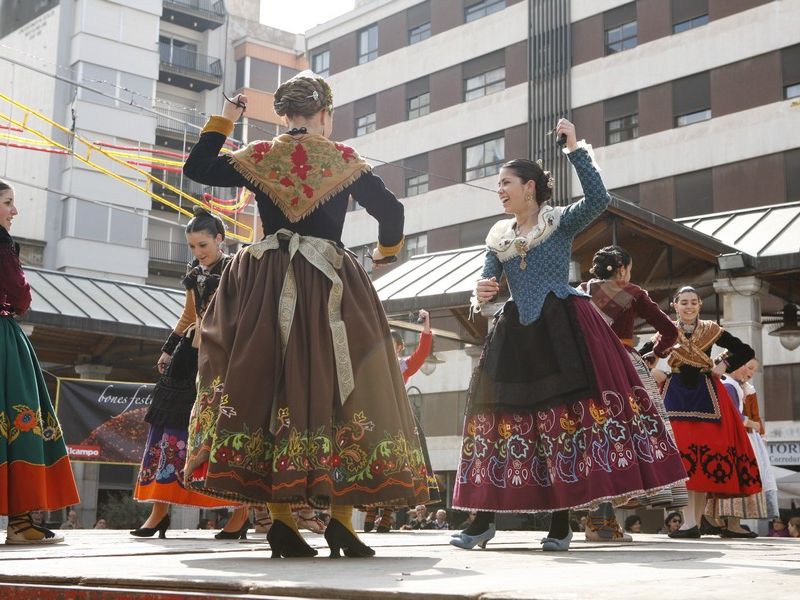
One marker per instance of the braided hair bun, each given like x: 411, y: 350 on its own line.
x: 608, y: 261
x: 303, y: 95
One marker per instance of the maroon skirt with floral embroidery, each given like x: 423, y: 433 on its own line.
x: 609, y: 445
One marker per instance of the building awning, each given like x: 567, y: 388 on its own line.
x: 102, y: 306
x: 771, y: 234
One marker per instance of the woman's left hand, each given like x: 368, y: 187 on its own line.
x: 719, y: 369
x: 565, y: 127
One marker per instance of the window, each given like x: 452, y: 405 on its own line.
x: 483, y: 8
x: 419, y: 105
x: 240, y: 73
x: 264, y: 75
x: 622, y: 130
x: 415, y: 244
x: 287, y: 73
x: 621, y: 38
x: 419, y: 33
x: 321, y: 63
x: 416, y: 184
x: 691, y: 118
x: 694, y: 193
x: 621, y: 115
x: 365, y: 124
x: 691, y: 99
x: 485, y: 84
x: 620, y: 28
x: 115, y: 88
x: 483, y: 159
x: 790, y: 71
x: 791, y: 161
x: 690, y: 24
x: 418, y: 22
x: 688, y: 14
x: 368, y: 44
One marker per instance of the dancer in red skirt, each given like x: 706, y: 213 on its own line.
x: 708, y: 430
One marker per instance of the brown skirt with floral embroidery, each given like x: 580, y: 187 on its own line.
x: 269, y: 424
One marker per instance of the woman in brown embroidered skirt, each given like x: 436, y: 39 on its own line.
x: 300, y: 397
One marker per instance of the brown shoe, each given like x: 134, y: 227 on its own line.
x: 21, y: 530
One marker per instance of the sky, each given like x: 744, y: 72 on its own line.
x: 298, y: 16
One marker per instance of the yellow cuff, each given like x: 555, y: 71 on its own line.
x: 391, y: 250
x: 219, y: 124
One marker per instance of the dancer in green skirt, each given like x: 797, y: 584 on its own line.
x: 35, y: 473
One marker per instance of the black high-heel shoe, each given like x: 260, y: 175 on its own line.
x: 340, y: 537
x: 286, y: 543
x: 241, y: 534
x: 161, y: 528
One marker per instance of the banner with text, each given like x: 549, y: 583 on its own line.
x: 103, y: 421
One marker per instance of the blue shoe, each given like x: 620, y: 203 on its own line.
x: 468, y: 542
x: 555, y: 545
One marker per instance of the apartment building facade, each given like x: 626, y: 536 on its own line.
x: 683, y: 100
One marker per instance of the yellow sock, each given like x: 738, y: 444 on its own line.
x: 282, y: 511
x: 344, y: 514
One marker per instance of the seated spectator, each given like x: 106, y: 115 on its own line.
x: 777, y: 528
x: 672, y: 523
x: 633, y: 524
x: 440, y: 522
x: 72, y: 521
x: 101, y: 524
x: 421, y: 520
x: 794, y: 527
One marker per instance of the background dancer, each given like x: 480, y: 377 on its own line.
x: 708, y: 429
x: 557, y: 417
x: 621, y: 302
x: 160, y: 478
x: 35, y: 472
x: 408, y: 367
x: 724, y: 514
x: 300, y: 397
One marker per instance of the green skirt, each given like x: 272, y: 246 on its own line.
x: 35, y: 472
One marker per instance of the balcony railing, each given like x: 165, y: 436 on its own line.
x: 176, y: 122
x: 188, y: 69
x: 169, y: 252
x: 199, y: 15
x: 211, y: 8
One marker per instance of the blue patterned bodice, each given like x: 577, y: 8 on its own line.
x: 547, y: 263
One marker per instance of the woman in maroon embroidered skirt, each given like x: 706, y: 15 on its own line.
x: 300, y: 397
x: 714, y: 445
x: 557, y: 417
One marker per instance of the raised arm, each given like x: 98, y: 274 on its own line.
x: 205, y: 163
x: 370, y: 192
x: 578, y: 215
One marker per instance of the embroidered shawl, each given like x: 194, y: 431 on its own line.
x: 611, y: 297
x: 692, y: 350
x: 299, y: 173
